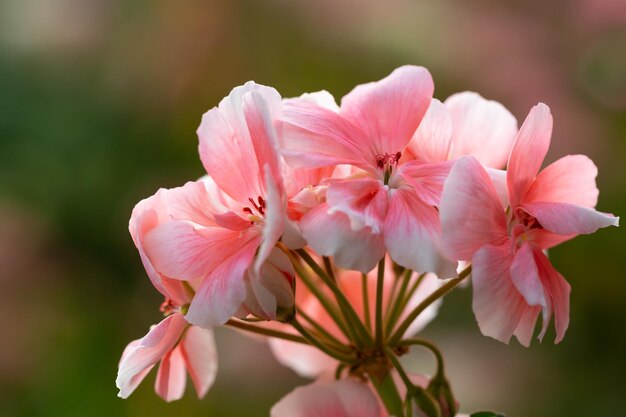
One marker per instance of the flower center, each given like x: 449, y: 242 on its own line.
x: 257, y: 211
x: 527, y: 220
x: 386, y: 162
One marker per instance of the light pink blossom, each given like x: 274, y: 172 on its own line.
x: 219, y: 233
x: 180, y: 348
x: 342, y: 398
x: 513, y: 279
x: 390, y: 204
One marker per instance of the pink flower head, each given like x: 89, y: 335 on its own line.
x: 512, y: 277
x: 343, y: 398
x: 390, y: 204
x: 179, y: 348
x: 218, y: 233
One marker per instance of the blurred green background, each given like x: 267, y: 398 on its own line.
x: 99, y: 102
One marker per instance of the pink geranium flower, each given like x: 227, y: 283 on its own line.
x: 180, y: 348
x: 512, y: 277
x: 218, y: 233
x: 389, y: 204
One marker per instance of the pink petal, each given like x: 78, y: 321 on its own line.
x: 432, y: 139
x: 531, y: 146
x: 313, y: 137
x: 571, y: 179
x: 222, y: 291
x: 190, y: 202
x: 275, y: 218
x: 237, y: 138
x: 331, y: 235
x: 559, y: 291
x: 426, y: 178
x: 322, y: 98
x: 470, y: 211
x: 148, y: 351
x: 184, y: 250
x: 271, y: 288
x: 525, y: 276
x: 412, y: 234
x: 171, y: 378
x: 305, y: 360
x: 546, y: 240
x: 198, y: 348
x: 363, y: 200
x: 132, y: 384
x: 497, y: 304
x: 482, y: 128
x: 342, y: 398
x: 498, y: 178
x: 390, y: 110
x: 527, y: 323
x: 564, y: 219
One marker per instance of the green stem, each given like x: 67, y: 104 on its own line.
x: 430, y: 346
x: 366, y: 302
x: 339, y: 370
x: 327, y: 350
x: 266, y: 332
x: 395, y: 306
x: 379, y: 302
x: 440, y: 292
x: 336, y: 343
x: 316, y: 291
x: 419, y: 395
x: 329, y: 268
x: 388, y: 393
x: 412, y: 290
x: 346, y: 308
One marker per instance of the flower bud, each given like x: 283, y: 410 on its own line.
x: 439, y: 388
x: 422, y: 403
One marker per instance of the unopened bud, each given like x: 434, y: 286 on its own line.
x: 439, y: 388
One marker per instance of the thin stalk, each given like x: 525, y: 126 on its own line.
x: 388, y: 393
x: 323, y: 332
x: 412, y: 290
x: 395, y: 305
x: 440, y: 292
x: 339, y: 370
x: 379, y: 301
x: 366, y: 302
x: 324, y: 301
x: 266, y: 332
x: 430, y: 346
x: 344, y: 305
x: 329, y: 268
x: 396, y: 364
x: 341, y: 357
x: 426, y: 403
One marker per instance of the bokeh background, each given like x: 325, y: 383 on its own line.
x: 99, y: 102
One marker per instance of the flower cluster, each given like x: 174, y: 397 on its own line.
x: 334, y: 230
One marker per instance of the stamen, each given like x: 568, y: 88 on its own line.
x: 258, y: 212
x: 168, y: 307
x: 383, y: 160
